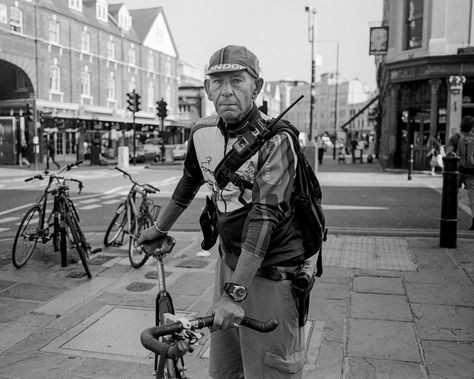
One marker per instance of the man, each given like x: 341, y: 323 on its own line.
x: 466, y: 173
x: 260, y: 244
x: 51, y: 153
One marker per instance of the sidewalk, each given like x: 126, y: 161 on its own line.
x: 386, y: 307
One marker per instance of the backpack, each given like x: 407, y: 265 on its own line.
x: 307, y: 194
x: 466, y: 151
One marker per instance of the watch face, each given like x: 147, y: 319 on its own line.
x: 240, y: 293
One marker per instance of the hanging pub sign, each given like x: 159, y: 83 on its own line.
x: 378, y: 40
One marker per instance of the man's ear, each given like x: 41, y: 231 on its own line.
x: 207, y: 85
x: 258, y: 87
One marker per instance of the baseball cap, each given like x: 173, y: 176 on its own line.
x: 233, y: 58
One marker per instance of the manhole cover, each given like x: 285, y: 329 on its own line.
x: 139, y: 287
x: 193, y: 263
x: 110, y: 333
x: 100, y: 259
x: 76, y: 274
x: 154, y: 274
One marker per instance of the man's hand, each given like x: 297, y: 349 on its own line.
x: 148, y: 235
x: 227, y: 314
x: 151, y: 239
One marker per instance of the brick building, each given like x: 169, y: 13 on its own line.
x: 71, y: 62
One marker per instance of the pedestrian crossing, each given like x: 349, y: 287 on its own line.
x: 11, y: 218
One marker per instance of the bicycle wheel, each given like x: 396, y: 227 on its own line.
x: 78, y: 242
x: 26, y: 237
x: 116, y: 227
x: 164, y: 304
x: 137, y: 256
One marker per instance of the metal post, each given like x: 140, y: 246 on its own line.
x: 335, y: 104
x: 410, y: 160
x: 134, y: 137
x: 311, y: 13
x: 449, y: 202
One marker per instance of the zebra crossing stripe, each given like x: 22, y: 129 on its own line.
x: 92, y: 206
x: 4, y: 229
x: 8, y: 219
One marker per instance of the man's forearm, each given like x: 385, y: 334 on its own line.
x: 246, y: 268
x: 169, y: 216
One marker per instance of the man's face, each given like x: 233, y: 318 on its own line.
x: 232, y: 93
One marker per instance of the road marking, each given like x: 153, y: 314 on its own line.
x: 113, y: 201
x: 353, y: 208
x: 8, y: 219
x: 92, y: 206
x: 16, y: 209
x: 88, y: 201
x: 4, y: 229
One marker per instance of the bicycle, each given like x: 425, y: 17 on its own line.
x: 61, y: 225
x: 131, y: 218
x: 173, y: 337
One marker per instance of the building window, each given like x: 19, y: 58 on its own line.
x: 86, y: 82
x: 101, y: 10
x: 168, y: 66
x: 151, y: 95
x: 16, y: 19
x: 151, y: 62
x: 131, y: 55
x: 111, y: 87
x: 3, y: 14
x: 76, y: 5
x: 54, y: 31
x: 20, y: 80
x: 55, y: 78
x: 111, y: 49
x: 85, y: 42
x: 414, y: 23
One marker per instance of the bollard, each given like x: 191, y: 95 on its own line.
x: 410, y: 161
x: 449, y: 202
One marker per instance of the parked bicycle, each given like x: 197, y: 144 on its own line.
x: 60, y: 224
x: 133, y: 215
x: 173, y: 336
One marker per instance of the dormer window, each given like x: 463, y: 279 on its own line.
x: 76, y: 5
x: 124, y: 19
x: 102, y: 10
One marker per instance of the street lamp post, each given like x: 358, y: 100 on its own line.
x: 311, y: 13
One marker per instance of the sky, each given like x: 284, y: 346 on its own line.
x: 277, y: 32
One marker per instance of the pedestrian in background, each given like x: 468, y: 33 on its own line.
x: 23, y: 155
x: 462, y: 144
x: 258, y: 240
x: 320, y: 146
x: 51, y: 153
x: 436, y: 154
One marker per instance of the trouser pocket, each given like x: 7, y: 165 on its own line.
x: 280, y: 365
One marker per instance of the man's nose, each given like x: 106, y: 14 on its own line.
x: 227, y: 88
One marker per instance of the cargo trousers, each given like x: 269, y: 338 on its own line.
x: 242, y: 352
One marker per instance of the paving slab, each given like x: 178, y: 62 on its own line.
x: 358, y: 368
x: 440, y: 294
x: 382, y: 339
x: 435, y: 276
x: 444, y: 322
x: 34, y: 292
x: 381, y: 307
x: 381, y: 285
x: 11, y: 309
x: 450, y: 360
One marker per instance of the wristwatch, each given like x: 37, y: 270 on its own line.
x: 237, y: 292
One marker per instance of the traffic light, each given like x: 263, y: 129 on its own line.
x: 138, y: 104
x: 264, y: 107
x: 161, y: 110
x: 29, y: 113
x: 133, y: 101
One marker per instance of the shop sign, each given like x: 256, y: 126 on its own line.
x: 378, y: 40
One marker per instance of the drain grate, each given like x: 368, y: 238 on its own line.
x: 110, y: 333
